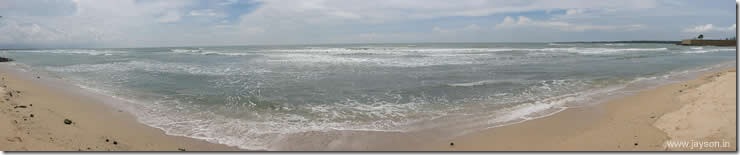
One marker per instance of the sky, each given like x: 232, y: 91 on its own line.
x: 152, y: 23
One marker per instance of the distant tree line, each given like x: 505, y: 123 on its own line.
x: 628, y: 41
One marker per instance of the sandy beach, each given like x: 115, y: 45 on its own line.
x: 699, y: 112
x: 32, y: 118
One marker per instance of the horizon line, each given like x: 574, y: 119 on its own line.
x: 257, y: 45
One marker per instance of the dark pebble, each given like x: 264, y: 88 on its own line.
x: 115, y: 143
x: 20, y: 106
x: 31, y: 115
x: 38, y: 77
x: 106, y: 140
x: 25, y: 119
x: 652, y: 116
x: 67, y: 121
x: 452, y: 144
x: 181, y: 149
x: 636, y: 144
x: 30, y: 105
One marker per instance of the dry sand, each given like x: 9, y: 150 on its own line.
x: 702, y: 110
x: 708, y: 116
x: 32, y: 118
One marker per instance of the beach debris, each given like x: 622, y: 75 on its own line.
x: 31, y: 115
x: 14, y: 139
x: 452, y: 144
x: 67, y: 121
x: 636, y: 144
x: 107, y: 140
x: 20, y: 106
x: 181, y: 149
x: 115, y: 143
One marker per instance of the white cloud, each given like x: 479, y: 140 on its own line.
x: 709, y: 28
x: 468, y: 28
x: 574, y: 11
x: 205, y: 12
x: 522, y: 21
x: 378, y: 11
x: 170, y: 17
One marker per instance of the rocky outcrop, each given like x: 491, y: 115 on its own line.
x: 4, y: 59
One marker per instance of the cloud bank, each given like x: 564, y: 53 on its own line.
x: 136, y: 23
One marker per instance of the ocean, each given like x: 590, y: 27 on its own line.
x: 253, y: 96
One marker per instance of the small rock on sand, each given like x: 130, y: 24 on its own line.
x: 14, y: 139
x: 67, y: 121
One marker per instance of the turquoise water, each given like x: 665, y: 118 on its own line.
x: 247, y: 96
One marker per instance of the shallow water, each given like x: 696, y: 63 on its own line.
x: 250, y: 96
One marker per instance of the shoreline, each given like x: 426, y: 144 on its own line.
x: 628, y: 123
x: 33, y: 116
